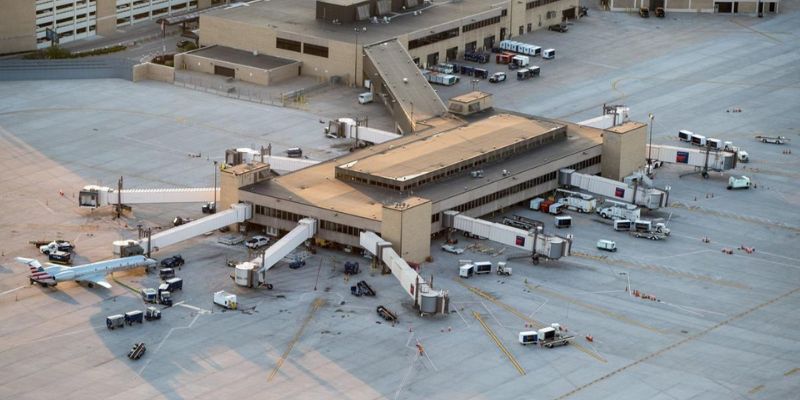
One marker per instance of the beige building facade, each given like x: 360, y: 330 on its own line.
x: 327, y: 49
x: 24, y: 24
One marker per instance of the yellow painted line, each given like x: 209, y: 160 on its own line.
x: 125, y: 285
x: 594, y: 308
x: 678, y: 343
x: 318, y: 302
x: 756, y: 31
x: 533, y: 322
x: 499, y: 344
x: 756, y: 389
x: 659, y: 269
x: 791, y: 371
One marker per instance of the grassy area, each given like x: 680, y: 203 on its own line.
x: 57, y: 53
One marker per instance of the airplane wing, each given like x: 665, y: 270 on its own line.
x: 97, y: 279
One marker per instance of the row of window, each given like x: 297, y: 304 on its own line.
x: 306, y: 48
x: 480, y: 24
x: 538, y: 3
x: 323, y: 224
x: 433, y: 38
x: 519, y: 187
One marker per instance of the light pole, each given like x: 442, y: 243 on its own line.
x: 628, y: 287
x: 357, y: 30
x: 650, y: 149
x: 215, y: 186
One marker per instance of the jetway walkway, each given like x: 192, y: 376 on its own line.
x: 93, y: 196
x: 709, y: 159
x: 349, y: 128
x: 540, y: 245
x: 651, y: 198
x: 305, y: 229
x: 237, y: 213
x: 426, y: 299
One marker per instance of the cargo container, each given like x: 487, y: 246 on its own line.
x: 622, y: 225
x: 115, y: 321
x: 549, y: 54
x: 483, y: 267
x: 528, y: 337
x: 563, y: 221
x: 225, y: 299
x: 714, y: 143
x: 466, y: 271
x: 698, y: 140
x: 134, y: 316
x: 685, y: 136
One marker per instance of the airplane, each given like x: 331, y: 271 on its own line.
x: 94, y: 273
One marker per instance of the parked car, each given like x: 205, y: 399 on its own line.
x: 256, y: 242
x: 562, y: 27
x: 452, y: 249
x: 172, y: 262
x: 497, y: 77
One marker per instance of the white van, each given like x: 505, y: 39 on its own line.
x: 365, y: 98
x: 483, y: 267
x: 549, y: 54
x: 607, y: 245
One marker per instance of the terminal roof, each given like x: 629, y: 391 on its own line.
x: 317, y: 185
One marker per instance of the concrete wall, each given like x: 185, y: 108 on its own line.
x: 194, y: 62
x: 409, y: 229
x: 341, y: 55
x: 153, y: 72
x: 623, y: 150
x: 17, y: 25
x: 106, y: 16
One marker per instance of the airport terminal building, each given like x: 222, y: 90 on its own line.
x: 400, y: 188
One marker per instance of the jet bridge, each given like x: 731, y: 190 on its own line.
x: 237, y: 213
x: 426, y: 299
x: 93, y: 196
x: 305, y: 229
x: 651, y: 198
x: 540, y: 245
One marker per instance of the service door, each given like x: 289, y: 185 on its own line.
x: 224, y: 71
x: 569, y: 13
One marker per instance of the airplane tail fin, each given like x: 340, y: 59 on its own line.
x: 38, y: 272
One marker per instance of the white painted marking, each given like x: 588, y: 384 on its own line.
x: 191, y: 307
x: 149, y: 359
x: 13, y: 290
x: 45, y: 206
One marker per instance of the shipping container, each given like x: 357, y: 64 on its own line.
x: 685, y: 136
x: 622, y: 225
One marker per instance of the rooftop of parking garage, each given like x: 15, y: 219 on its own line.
x: 317, y: 186
x: 299, y: 17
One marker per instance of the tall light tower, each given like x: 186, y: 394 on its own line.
x: 650, y: 149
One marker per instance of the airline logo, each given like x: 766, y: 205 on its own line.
x: 38, y: 274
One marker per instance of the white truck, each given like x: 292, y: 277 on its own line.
x: 226, y: 300
x: 620, y: 211
x: 576, y: 201
x: 742, y: 182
